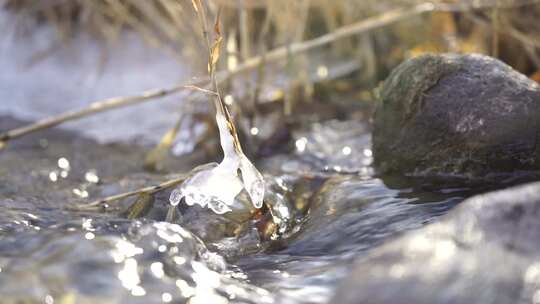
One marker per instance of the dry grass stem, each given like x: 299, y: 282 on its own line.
x: 97, y: 204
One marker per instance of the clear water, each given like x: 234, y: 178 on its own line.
x: 49, y: 254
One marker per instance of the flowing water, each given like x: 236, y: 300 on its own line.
x: 331, y: 206
x: 339, y: 210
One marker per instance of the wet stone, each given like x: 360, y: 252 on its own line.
x: 484, y: 251
x: 461, y: 115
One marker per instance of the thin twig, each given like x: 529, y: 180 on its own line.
x: 149, y: 190
x: 202, y: 90
x: 93, y: 108
x: 249, y: 64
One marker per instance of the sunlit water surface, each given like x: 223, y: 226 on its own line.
x: 51, y: 255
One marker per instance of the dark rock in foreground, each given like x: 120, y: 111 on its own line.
x: 485, y: 251
x: 468, y: 115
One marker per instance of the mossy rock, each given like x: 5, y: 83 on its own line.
x: 460, y: 115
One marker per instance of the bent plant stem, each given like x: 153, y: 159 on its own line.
x: 218, y: 186
x: 97, y: 204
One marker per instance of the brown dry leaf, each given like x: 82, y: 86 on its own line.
x: 217, y: 29
x: 536, y: 76
x: 214, y: 53
x: 216, y: 47
x: 156, y: 155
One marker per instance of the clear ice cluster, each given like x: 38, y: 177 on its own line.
x: 217, y: 187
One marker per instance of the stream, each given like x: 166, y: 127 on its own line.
x: 50, y: 254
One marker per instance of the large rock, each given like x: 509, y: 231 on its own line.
x: 468, y: 115
x: 484, y: 251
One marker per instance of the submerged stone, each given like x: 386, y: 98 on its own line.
x: 467, y: 115
x: 485, y: 251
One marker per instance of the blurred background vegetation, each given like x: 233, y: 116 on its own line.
x: 505, y: 28
x: 382, y: 33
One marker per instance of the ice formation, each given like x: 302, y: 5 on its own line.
x: 218, y: 186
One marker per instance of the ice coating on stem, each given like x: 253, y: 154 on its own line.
x: 217, y: 187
